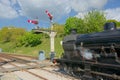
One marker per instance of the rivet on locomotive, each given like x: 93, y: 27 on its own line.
x: 94, y: 56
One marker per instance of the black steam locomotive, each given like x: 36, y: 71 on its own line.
x: 94, y: 56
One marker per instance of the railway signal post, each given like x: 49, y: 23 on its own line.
x: 51, y: 34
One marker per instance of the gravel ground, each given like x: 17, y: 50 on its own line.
x: 23, y: 75
x: 48, y: 71
x: 9, y: 76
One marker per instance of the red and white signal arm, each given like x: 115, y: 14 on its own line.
x: 33, y: 21
x: 49, y: 15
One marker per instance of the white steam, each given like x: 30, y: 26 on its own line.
x: 86, y: 53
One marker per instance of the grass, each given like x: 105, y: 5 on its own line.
x: 33, y: 51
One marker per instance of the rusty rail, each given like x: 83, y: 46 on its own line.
x: 17, y: 67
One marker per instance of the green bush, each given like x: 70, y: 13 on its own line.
x: 29, y: 39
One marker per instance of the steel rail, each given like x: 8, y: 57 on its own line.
x: 23, y: 69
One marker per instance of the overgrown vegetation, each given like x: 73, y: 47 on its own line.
x: 20, y: 41
x: 33, y: 51
x: 25, y: 42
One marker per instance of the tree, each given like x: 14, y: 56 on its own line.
x: 0, y: 35
x: 117, y: 22
x: 72, y: 23
x: 59, y: 28
x: 11, y: 33
x: 5, y: 34
x: 92, y: 22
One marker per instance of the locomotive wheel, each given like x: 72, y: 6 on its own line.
x: 67, y: 69
x: 103, y: 78
x: 64, y: 67
x: 77, y: 71
x: 70, y: 70
x: 100, y: 78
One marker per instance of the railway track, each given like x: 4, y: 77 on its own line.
x: 19, y: 65
x: 10, y: 59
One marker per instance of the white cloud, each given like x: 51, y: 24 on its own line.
x: 13, y: 2
x: 58, y: 8
x: 36, y: 8
x: 5, y: 2
x: 81, y: 14
x: 113, y: 14
x: 85, y: 5
x: 6, y: 10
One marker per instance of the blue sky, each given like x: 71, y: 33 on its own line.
x: 17, y: 12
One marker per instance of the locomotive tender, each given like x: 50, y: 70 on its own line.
x: 94, y: 56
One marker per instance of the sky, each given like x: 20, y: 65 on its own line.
x: 17, y: 12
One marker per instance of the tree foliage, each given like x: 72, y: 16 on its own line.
x: 92, y: 22
x: 19, y: 36
x: 29, y: 39
x: 117, y: 22
x: 8, y: 34
x: 71, y: 22
x: 59, y: 28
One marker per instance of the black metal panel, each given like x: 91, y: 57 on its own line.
x: 104, y: 38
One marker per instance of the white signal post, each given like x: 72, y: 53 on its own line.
x: 52, y: 36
